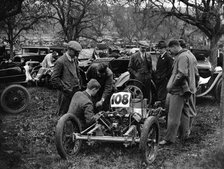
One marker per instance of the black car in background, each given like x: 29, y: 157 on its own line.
x: 204, y: 66
x: 36, y: 53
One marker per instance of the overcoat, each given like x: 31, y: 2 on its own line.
x: 65, y: 78
x: 140, y: 68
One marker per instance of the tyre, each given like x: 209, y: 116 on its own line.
x: 218, y: 90
x: 15, y: 99
x: 136, y: 91
x: 149, y: 140
x: 65, y: 142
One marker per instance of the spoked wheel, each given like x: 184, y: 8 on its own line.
x: 136, y: 92
x: 149, y: 140
x: 15, y: 99
x: 66, y: 144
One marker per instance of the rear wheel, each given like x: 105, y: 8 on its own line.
x: 149, y: 140
x: 66, y: 144
x: 136, y: 92
x: 15, y: 99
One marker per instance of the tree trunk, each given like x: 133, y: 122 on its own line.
x: 222, y: 111
x: 11, y: 50
x: 214, y: 50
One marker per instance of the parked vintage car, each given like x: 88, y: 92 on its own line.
x: 203, y: 65
x: 210, y: 80
x: 86, y: 57
x: 14, y: 97
x: 36, y: 53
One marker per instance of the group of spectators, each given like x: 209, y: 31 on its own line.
x: 176, y: 77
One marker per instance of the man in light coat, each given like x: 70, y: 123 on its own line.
x: 181, y: 85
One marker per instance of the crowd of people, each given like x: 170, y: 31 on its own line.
x: 175, y: 76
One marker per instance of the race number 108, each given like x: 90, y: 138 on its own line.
x: 121, y: 99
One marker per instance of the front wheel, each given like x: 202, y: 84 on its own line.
x: 66, y: 144
x: 15, y: 99
x: 149, y: 140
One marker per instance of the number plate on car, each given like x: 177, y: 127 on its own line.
x: 121, y: 99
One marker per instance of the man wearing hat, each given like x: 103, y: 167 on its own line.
x: 140, y: 67
x: 163, y: 71
x: 66, y: 76
x: 181, y: 85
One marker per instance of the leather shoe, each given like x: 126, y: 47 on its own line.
x: 165, y: 143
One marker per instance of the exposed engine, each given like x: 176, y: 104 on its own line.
x: 117, y: 122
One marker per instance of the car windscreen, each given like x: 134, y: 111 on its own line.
x: 30, y: 50
x: 43, y: 51
x: 86, y: 54
x: 201, y: 54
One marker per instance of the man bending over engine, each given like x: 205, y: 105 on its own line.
x: 82, y: 105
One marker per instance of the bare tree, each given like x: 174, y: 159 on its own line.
x: 31, y: 14
x: 122, y: 18
x: 74, y: 16
x: 101, y: 21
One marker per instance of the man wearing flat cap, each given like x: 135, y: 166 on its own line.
x: 181, y: 85
x: 140, y: 67
x: 163, y: 71
x: 66, y: 76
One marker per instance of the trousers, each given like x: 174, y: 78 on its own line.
x: 64, y: 100
x: 178, y: 117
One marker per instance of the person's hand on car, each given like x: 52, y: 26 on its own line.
x: 100, y: 103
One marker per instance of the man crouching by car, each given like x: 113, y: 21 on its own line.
x: 83, y: 107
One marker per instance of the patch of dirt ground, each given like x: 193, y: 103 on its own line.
x: 27, y: 142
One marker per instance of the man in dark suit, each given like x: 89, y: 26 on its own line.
x: 140, y: 68
x: 66, y: 76
x: 83, y: 106
x: 102, y: 73
x: 163, y: 71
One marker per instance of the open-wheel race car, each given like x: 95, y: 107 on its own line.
x: 129, y: 121
x: 14, y: 97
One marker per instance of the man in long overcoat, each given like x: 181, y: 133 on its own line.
x: 66, y: 76
x: 140, y: 68
x: 163, y: 71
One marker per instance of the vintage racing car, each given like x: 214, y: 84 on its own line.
x: 129, y: 121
